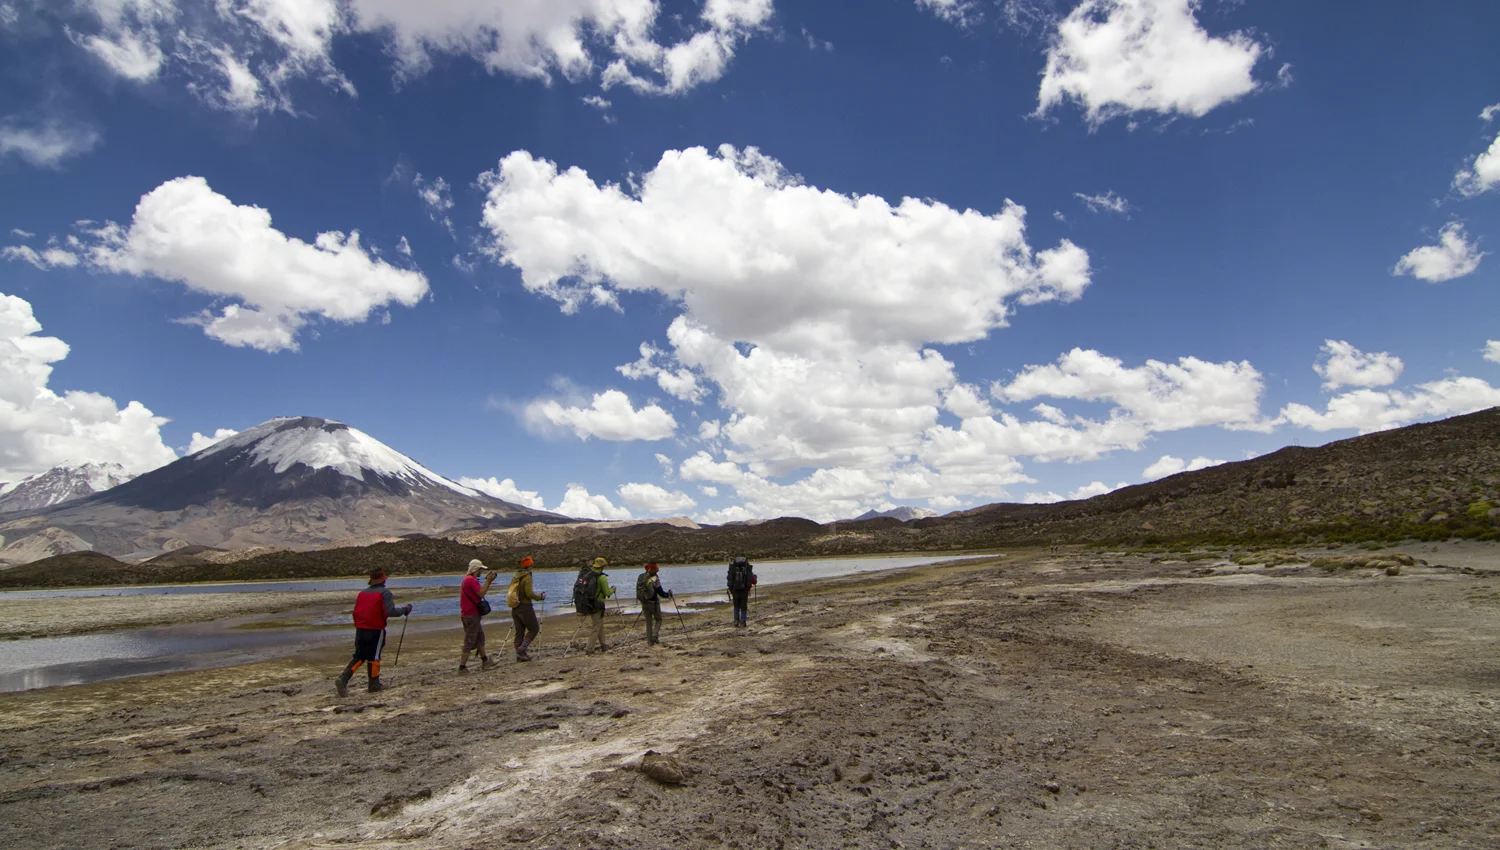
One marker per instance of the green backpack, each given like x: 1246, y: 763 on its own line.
x: 643, y: 590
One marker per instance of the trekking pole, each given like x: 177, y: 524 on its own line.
x: 571, y: 637
x: 401, y: 641
x: 680, y: 621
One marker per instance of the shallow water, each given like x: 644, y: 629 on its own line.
x: 48, y: 662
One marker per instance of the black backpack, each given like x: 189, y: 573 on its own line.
x: 739, y: 574
x: 586, y: 591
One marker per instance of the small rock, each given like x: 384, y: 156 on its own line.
x: 662, y: 768
x: 1052, y: 787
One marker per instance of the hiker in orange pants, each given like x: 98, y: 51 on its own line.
x: 372, y: 608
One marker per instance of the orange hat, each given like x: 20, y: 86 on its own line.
x: 526, y: 562
x: 377, y: 576
x: 651, y: 568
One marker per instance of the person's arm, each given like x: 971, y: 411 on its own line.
x: 390, y: 605
x: 528, y: 591
x: 486, y: 589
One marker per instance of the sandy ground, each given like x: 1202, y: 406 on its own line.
x: 1046, y: 700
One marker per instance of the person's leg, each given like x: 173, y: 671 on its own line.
x: 471, y: 640
x: 526, y: 621
x: 485, y: 663
x: 518, y: 625
x: 341, y: 684
x: 374, y: 668
x: 598, y: 624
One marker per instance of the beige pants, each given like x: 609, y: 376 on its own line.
x: 597, y: 630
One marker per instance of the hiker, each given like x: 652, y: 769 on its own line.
x: 372, y: 608
x: 471, y: 607
x: 590, y: 590
x: 741, y: 578
x: 649, y: 593
x: 519, y: 597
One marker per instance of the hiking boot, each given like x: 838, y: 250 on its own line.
x: 522, y: 656
x: 375, y: 685
x: 341, y: 684
x: 489, y: 664
x: 463, y: 670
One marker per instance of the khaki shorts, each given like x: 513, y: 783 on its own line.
x: 473, y: 633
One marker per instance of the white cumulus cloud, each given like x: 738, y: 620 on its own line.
x: 652, y: 499
x: 1367, y: 410
x: 1168, y: 465
x: 1115, y: 57
x: 245, y: 54
x: 1160, y: 396
x: 41, y: 428
x: 199, y: 442
x: 1454, y: 256
x: 184, y: 231
x: 505, y: 489
x: 609, y: 417
x: 1346, y: 366
x: 1482, y: 173
x: 960, y: 12
x: 1492, y: 350
x: 579, y: 504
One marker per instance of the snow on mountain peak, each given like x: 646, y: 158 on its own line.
x: 317, y: 443
x: 61, y: 484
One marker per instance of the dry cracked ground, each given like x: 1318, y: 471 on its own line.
x: 1038, y: 700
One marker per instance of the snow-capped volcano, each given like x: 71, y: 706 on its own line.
x: 61, y: 484
x: 325, y: 444
x: 294, y: 482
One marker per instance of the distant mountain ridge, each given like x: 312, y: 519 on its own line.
x: 903, y: 513
x: 61, y: 484
x: 295, y: 482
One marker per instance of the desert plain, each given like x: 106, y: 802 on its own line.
x: 1038, y: 698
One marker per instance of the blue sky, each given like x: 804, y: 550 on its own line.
x: 924, y: 252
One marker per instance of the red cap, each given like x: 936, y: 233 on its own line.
x: 651, y: 568
x: 526, y: 562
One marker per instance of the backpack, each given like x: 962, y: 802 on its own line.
x: 739, y: 574
x: 586, y: 591
x: 643, y: 591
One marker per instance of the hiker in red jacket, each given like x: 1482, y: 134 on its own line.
x: 470, y: 596
x: 372, y: 608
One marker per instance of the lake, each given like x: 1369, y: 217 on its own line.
x: 76, y: 659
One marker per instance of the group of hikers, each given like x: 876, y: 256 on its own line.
x: 375, y: 606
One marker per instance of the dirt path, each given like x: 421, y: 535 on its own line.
x: 1041, y: 701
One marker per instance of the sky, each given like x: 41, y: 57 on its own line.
x: 736, y: 259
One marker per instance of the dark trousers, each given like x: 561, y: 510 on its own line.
x: 651, y: 609
x: 524, y: 618
x: 741, y: 605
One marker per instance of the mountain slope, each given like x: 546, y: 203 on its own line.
x: 61, y: 484
x: 902, y: 513
x: 290, y: 482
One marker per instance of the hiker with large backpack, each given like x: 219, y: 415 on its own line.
x: 649, y: 593
x: 472, y: 606
x: 590, y: 590
x: 372, y: 609
x: 519, y: 597
x: 741, y: 578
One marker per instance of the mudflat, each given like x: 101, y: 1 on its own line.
x: 1047, y: 699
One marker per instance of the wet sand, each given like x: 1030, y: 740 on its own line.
x: 1065, y: 699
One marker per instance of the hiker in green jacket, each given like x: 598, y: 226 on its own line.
x: 602, y: 592
x: 649, y: 593
x: 519, y: 597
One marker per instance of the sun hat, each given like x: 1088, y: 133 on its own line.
x: 526, y: 562
x: 476, y: 565
x: 600, y: 563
